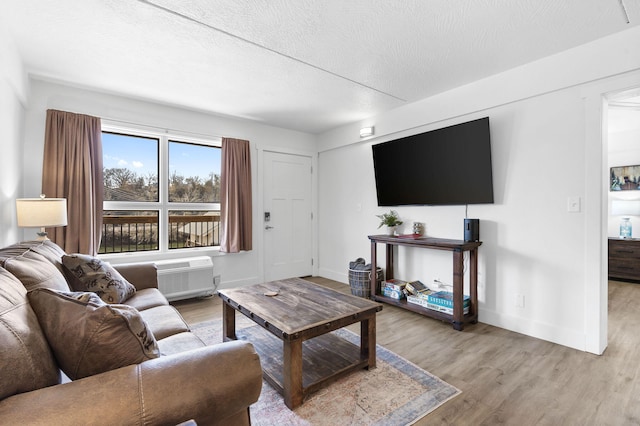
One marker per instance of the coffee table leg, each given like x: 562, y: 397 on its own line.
x: 368, y: 340
x: 228, y: 323
x: 292, y: 373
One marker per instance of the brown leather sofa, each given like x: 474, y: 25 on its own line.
x: 188, y: 380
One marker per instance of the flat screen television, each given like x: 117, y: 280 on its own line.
x: 448, y: 166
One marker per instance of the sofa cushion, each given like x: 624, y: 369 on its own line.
x: 181, y: 342
x: 147, y: 298
x: 47, y: 248
x: 51, y: 251
x: 164, y: 321
x: 26, y: 361
x: 89, y: 336
x: 35, y: 271
x: 88, y: 273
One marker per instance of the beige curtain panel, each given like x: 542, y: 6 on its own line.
x: 235, y: 196
x: 72, y: 169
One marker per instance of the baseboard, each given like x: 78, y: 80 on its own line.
x: 536, y: 329
x: 333, y: 275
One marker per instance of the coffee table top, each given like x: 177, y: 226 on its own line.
x: 297, y: 306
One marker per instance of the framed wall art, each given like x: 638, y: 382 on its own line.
x: 624, y: 178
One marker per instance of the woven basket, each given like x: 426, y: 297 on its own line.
x: 360, y: 282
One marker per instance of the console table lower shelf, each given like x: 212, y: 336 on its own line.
x: 442, y: 316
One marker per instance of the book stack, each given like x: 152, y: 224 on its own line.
x: 395, y: 289
x: 442, y: 301
x: 416, y: 288
x: 417, y: 300
x: 417, y: 293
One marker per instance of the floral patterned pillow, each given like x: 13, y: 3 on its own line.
x: 88, y: 273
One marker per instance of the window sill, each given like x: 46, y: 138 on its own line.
x: 152, y: 256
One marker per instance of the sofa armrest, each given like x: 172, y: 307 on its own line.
x: 141, y: 275
x: 211, y: 385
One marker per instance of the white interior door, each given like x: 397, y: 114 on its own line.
x: 287, y: 220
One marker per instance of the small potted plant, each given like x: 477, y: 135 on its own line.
x: 391, y: 220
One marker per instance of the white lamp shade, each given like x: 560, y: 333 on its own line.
x: 625, y: 207
x: 41, y: 212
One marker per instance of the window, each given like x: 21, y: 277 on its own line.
x: 161, y: 191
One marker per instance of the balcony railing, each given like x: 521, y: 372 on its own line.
x: 131, y: 233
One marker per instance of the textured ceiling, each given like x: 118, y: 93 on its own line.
x: 309, y: 65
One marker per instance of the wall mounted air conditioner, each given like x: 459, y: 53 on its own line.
x: 185, y: 278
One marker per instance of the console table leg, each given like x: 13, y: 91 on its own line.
x: 473, y: 283
x: 374, y: 271
x: 458, y: 290
x: 389, y: 252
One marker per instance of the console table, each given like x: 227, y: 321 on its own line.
x: 457, y: 247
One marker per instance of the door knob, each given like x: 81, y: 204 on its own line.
x: 268, y: 227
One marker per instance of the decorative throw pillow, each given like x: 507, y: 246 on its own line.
x: 88, y: 273
x: 89, y: 336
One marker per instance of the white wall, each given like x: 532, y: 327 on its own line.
x: 528, y: 235
x: 234, y: 269
x: 13, y: 92
x: 543, y: 144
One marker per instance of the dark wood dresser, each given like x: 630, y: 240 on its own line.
x: 624, y: 259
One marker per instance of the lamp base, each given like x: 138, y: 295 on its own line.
x: 42, y: 235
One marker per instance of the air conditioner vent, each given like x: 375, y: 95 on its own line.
x: 185, y: 278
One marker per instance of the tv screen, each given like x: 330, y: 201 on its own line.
x: 448, y: 166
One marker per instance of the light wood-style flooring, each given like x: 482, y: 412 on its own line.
x: 507, y: 378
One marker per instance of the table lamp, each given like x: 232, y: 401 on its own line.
x: 40, y: 213
x: 625, y: 208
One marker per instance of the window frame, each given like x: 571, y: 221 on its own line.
x: 163, y: 205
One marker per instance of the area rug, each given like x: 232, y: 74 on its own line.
x: 397, y: 392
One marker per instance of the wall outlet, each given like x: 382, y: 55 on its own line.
x: 216, y: 280
x: 519, y: 300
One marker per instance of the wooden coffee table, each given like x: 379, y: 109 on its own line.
x: 302, y: 315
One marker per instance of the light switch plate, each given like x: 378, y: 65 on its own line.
x: 573, y: 204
